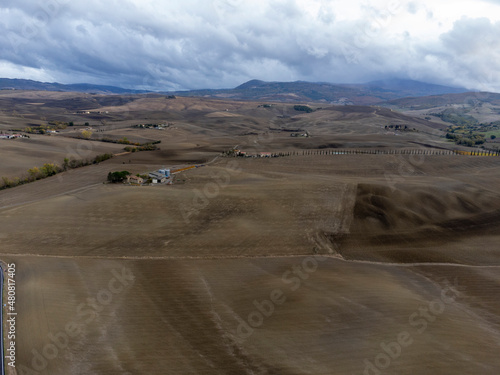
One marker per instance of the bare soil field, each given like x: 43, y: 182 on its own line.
x: 305, y: 264
x: 19, y: 155
x: 203, y: 317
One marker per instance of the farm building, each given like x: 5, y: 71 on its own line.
x: 158, y: 178
x: 135, y: 180
x: 11, y: 136
x: 165, y: 172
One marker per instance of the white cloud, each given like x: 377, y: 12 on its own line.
x: 10, y: 70
x: 221, y: 43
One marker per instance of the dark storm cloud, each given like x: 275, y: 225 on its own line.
x: 222, y: 43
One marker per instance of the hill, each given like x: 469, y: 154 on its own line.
x: 376, y: 92
x: 467, y: 98
x: 319, y: 260
x: 26, y: 84
x: 405, y: 87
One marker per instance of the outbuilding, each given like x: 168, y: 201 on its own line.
x: 135, y: 180
x: 158, y: 178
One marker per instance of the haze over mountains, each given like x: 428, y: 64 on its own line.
x: 362, y: 94
x: 27, y: 84
x: 375, y: 92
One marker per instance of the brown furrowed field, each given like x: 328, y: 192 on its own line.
x: 202, y: 316
x: 22, y: 154
x: 304, y: 264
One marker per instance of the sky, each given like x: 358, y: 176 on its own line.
x: 193, y: 44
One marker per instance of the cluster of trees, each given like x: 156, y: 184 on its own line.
x: 60, y: 124
x: 121, y: 176
x: 470, y: 139
x: 42, y: 129
x: 102, y: 157
x: 400, y: 127
x: 50, y: 169
x: 145, y: 147
x: 125, y: 141
x: 74, y: 163
x: 466, y: 130
x: 71, y: 123
x: 35, y: 173
x: 303, y: 108
x: 457, y: 119
x: 51, y: 125
x: 150, y: 146
x: 117, y: 177
x: 469, y: 136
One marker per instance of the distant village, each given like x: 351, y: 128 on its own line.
x: 153, y: 126
x: 91, y: 112
x: 13, y: 136
x: 245, y: 154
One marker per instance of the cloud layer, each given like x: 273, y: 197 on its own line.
x: 192, y: 44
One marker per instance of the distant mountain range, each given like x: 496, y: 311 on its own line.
x: 26, y: 84
x: 376, y: 92
x: 424, y: 102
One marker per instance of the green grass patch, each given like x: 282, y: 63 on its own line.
x: 488, y: 134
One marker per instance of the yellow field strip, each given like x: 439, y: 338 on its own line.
x: 474, y: 153
x: 183, y: 169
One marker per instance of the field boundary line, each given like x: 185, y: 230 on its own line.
x: 77, y: 190
x: 275, y: 256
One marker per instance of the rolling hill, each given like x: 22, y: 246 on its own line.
x: 468, y: 98
x: 26, y: 84
x: 376, y: 92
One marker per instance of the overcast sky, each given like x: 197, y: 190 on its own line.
x: 190, y: 44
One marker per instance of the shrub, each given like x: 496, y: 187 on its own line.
x: 87, y: 134
x: 124, y: 141
x: 102, y: 157
x: 50, y: 169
